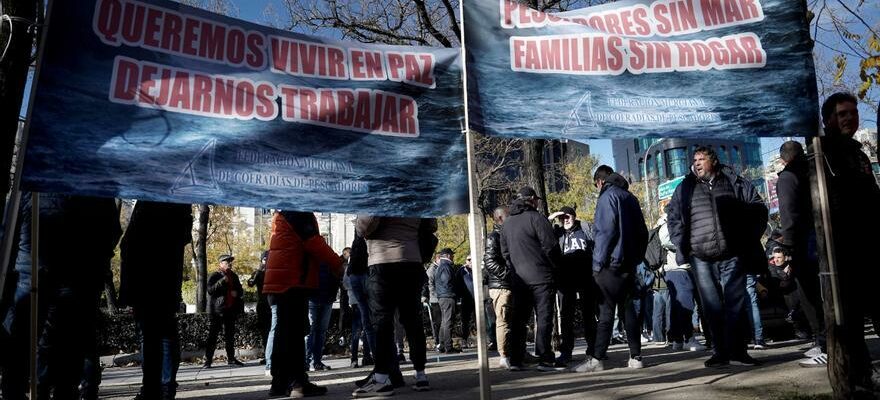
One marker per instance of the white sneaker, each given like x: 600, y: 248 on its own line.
x: 268, y: 373
x: 590, y: 365
x: 677, y: 346
x: 504, y: 362
x: 634, y: 363
x: 816, y: 362
x: 815, y: 351
x: 694, y: 345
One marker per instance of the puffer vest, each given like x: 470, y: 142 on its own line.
x: 709, y: 240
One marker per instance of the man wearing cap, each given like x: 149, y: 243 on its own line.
x: 226, y: 304
x: 444, y: 288
x: 575, y: 278
x: 530, y: 248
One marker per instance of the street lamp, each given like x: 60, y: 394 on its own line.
x: 647, y: 190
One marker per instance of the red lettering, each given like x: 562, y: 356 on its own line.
x: 256, y: 55
x: 308, y: 105
x: 133, y: 22
x: 164, y: 88
x: 336, y: 61
x: 180, y: 91
x: 152, y: 27
x: 201, y: 99
x: 395, y: 63
x: 345, y: 107
x: 266, y: 98
x: 362, y: 115
x: 408, y: 122
x: 235, y: 46
x: 190, y: 37
x: 244, y: 104
x: 664, y: 25
x: 327, y: 111
x: 212, y: 41
x: 107, y: 23
x: 172, y: 26
x: 288, y: 99
x: 389, y: 115
x: 126, y: 81
x: 223, y: 93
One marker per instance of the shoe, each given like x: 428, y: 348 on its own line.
x: 319, y: 367
x: 716, y: 361
x: 367, y: 361
x: 279, y: 393
x: 694, y: 345
x: 815, y: 351
x: 307, y: 389
x: 817, y: 361
x: 268, y: 372
x: 645, y: 340
x: 262, y: 361
x: 504, y: 362
x: 590, y: 365
x: 677, y: 346
x: 562, y: 361
x: 421, y: 386
x: 746, y: 359
x: 235, y: 362
x: 401, y: 358
x: 516, y: 368
x: 529, y: 358
x: 759, y: 345
x: 396, y: 379
x: 354, y: 364
x: 548, y: 367
x: 374, y: 389
x: 364, y: 381
x: 635, y: 363
x: 618, y: 340
x: 207, y: 365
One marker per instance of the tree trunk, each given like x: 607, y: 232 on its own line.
x: 200, y: 256
x: 13, y: 77
x: 533, y: 163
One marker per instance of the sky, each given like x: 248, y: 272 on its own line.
x: 253, y: 10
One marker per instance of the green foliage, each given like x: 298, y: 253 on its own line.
x: 580, y: 192
x: 452, y: 232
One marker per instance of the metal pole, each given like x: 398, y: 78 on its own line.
x: 475, y: 234
x: 35, y: 262
x: 825, y: 211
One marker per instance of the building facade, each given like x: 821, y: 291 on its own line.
x: 670, y: 158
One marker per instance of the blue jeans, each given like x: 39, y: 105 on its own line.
x: 319, y: 321
x: 661, y: 318
x: 722, y: 287
x: 360, y: 292
x: 356, y: 327
x: 753, y: 311
x: 271, y: 340
x: 681, y: 316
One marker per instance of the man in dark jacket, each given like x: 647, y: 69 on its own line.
x: 530, y: 249
x: 716, y: 220
x: 498, y: 275
x: 77, y: 236
x: 226, y: 303
x: 854, y: 196
x: 151, y: 276
x: 575, y: 279
x: 444, y: 288
x: 798, y: 237
x: 621, y: 238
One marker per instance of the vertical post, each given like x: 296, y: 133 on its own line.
x: 474, y: 233
x: 35, y: 274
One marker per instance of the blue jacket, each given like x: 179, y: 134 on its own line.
x: 751, y: 216
x: 620, y: 234
x: 444, y: 280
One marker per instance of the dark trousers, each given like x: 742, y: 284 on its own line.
x: 810, y: 293
x: 722, y: 287
x: 436, y: 318
x: 227, y: 323
x: 357, y: 332
x: 467, y: 316
x: 288, y: 348
x: 396, y: 287
x: 447, y: 315
x: 617, y: 289
x: 540, y: 299
x: 681, y: 307
x: 569, y: 302
x: 160, y: 350
x: 264, y: 319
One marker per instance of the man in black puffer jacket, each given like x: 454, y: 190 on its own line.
x: 530, y: 249
x: 621, y: 238
x: 498, y: 275
x: 716, y: 220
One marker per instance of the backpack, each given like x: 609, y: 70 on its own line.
x: 655, y: 254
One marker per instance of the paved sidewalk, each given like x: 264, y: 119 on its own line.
x: 668, y: 375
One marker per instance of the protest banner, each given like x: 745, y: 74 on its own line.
x: 151, y: 99
x: 640, y: 68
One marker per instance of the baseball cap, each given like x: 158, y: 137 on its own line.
x: 568, y: 210
x: 226, y: 257
x: 527, y: 192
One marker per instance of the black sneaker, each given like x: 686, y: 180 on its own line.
x: 421, y: 386
x: 364, y: 381
x: 374, y: 389
x: 746, y: 359
x: 354, y: 364
x: 307, y: 389
x: 278, y: 393
x: 548, y: 367
x: 396, y: 380
x: 235, y: 362
x: 716, y: 361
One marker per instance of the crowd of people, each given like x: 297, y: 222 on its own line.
x: 701, y: 268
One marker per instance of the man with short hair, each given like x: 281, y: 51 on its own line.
x: 621, y: 239
x: 577, y: 289
x: 226, y: 304
x: 498, y: 275
x: 798, y: 236
x: 530, y: 249
x: 716, y: 219
x: 444, y: 289
x: 853, y: 196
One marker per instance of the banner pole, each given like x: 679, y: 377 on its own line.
x: 35, y: 273
x: 474, y: 233
x: 10, y: 218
